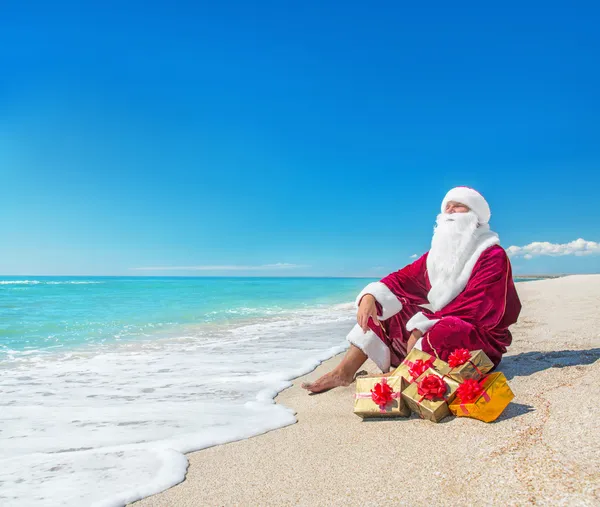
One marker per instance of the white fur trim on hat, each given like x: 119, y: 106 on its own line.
x: 471, y: 198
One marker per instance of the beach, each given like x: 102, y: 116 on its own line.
x: 543, y: 450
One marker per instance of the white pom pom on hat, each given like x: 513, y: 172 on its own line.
x: 471, y: 198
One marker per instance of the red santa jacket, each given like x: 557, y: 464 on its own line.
x: 487, y: 306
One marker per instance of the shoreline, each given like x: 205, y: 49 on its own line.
x: 538, y: 277
x: 123, y: 418
x: 328, y: 432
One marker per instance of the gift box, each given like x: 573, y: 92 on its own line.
x: 467, y: 364
x: 484, y: 400
x: 430, y: 394
x: 416, y: 362
x: 378, y: 396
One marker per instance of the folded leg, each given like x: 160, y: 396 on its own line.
x: 452, y: 333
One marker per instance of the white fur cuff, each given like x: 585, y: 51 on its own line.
x: 372, y: 346
x: 421, y: 322
x: 390, y: 304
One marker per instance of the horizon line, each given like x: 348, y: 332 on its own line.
x: 519, y: 275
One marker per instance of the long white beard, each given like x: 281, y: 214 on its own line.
x: 454, y: 241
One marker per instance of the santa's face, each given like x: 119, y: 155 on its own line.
x: 456, y: 207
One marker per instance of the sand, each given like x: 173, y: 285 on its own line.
x: 543, y: 450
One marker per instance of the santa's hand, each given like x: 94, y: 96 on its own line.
x: 367, y: 309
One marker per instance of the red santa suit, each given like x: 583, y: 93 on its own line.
x: 473, y: 311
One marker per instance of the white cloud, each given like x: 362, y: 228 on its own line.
x: 578, y: 247
x: 413, y: 256
x: 237, y: 267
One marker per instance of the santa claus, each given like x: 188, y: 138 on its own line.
x: 460, y: 294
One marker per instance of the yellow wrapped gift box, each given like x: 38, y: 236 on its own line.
x: 429, y: 396
x: 484, y: 400
x: 380, y: 396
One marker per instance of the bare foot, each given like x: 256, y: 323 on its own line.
x: 327, y: 382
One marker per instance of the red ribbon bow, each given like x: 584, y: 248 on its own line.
x: 459, y: 357
x: 382, y: 393
x: 431, y: 387
x: 416, y: 369
x: 469, y: 391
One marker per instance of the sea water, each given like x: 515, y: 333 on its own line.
x: 105, y: 383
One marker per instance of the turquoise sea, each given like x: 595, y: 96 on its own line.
x: 106, y: 382
x: 50, y: 313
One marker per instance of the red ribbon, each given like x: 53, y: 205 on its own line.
x: 469, y: 391
x: 460, y: 357
x: 416, y: 369
x: 431, y: 387
x: 381, y: 394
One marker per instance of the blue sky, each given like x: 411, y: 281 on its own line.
x: 291, y: 138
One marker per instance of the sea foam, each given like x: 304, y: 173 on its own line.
x: 111, y: 424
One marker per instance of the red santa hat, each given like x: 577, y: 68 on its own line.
x: 471, y: 198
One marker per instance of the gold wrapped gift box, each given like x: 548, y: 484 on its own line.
x: 365, y: 407
x: 414, y: 356
x: 490, y: 404
x: 433, y: 410
x: 477, y: 366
